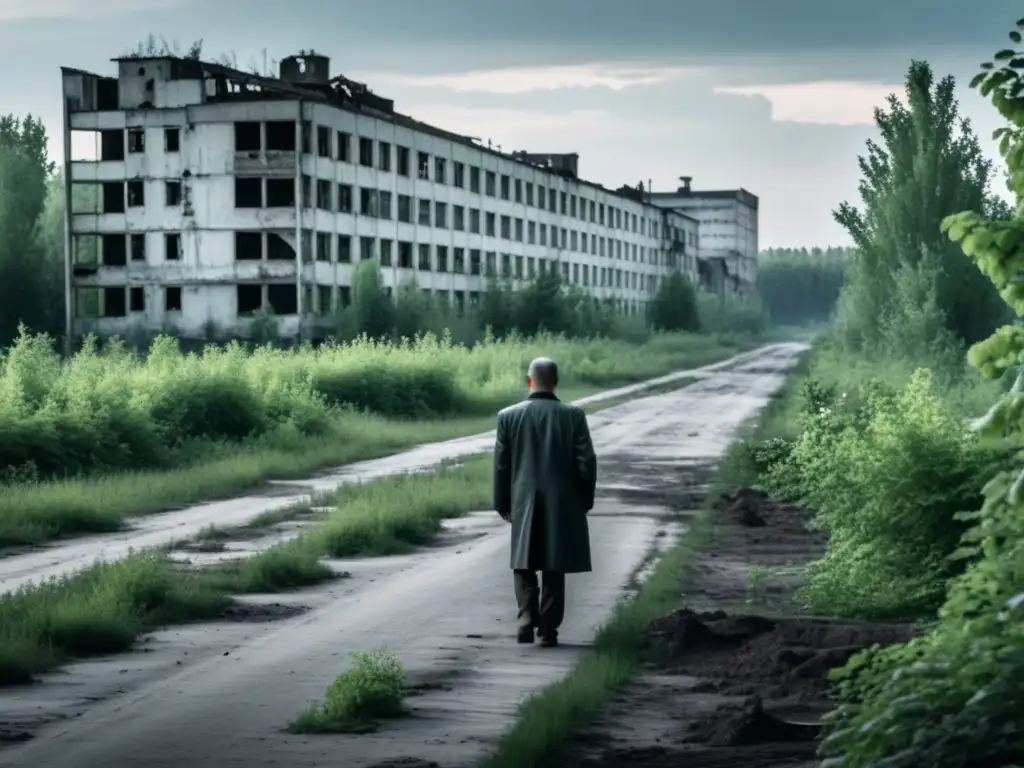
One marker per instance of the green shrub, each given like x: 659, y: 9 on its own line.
x: 372, y: 688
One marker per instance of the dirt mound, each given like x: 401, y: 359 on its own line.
x: 745, y: 507
x: 750, y: 725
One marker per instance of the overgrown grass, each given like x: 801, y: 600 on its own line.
x: 105, y: 608
x: 547, y: 720
x: 372, y: 688
x: 213, y: 425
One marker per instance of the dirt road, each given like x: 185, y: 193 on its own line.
x: 219, y: 694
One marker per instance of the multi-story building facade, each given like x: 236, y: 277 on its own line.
x: 216, y: 193
x: 727, y: 240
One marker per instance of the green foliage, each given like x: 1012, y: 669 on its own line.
x: 953, y: 697
x: 372, y: 688
x: 731, y: 314
x: 928, y: 165
x: 801, y: 286
x: 888, y: 474
x: 674, y: 307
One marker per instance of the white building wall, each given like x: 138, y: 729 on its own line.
x: 206, y: 274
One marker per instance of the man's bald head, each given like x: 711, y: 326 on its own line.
x: 543, y: 374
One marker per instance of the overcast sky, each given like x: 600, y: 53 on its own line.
x: 775, y: 96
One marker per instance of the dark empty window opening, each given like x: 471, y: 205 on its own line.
x: 172, y: 247
x: 138, y: 247
x: 172, y: 192
x: 112, y: 145
x: 247, y: 137
x: 283, y: 298
x: 114, y: 250
x: 323, y: 141
x: 249, y: 193
x: 250, y: 299
x: 248, y: 246
x: 278, y: 248
x: 281, y: 135
x: 106, y: 93
x: 280, y: 193
x: 136, y: 140
x: 136, y: 194
x: 114, y: 302
x: 366, y: 152
x: 172, y: 298
x: 138, y: 300
x: 172, y: 139
x: 113, y: 197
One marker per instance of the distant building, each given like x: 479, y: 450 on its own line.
x: 218, y: 193
x: 728, y: 233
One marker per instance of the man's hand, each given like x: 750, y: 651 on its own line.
x: 506, y: 516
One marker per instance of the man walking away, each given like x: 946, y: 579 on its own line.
x: 545, y: 478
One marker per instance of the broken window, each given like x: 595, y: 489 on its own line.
x: 404, y: 255
x: 529, y: 193
x: 136, y: 140
x: 138, y: 299
x: 474, y: 220
x: 345, y: 296
x: 423, y: 165
x: 136, y: 194
x: 107, y: 94
x: 385, y: 253
x: 474, y: 261
x: 405, y: 209
x: 323, y: 141
x: 249, y: 192
x: 489, y: 228
x: 459, y: 175
x: 383, y: 205
x: 112, y: 145
x: 440, y: 214
x: 172, y: 192
x: 247, y: 137
x: 344, y: 249
x: 114, y: 302
x: 383, y: 156
x: 172, y: 247
x: 506, y: 227
x: 307, y: 137
x: 248, y: 246
x: 172, y: 298
x: 307, y: 191
x: 423, y: 215
x: 367, y: 202
x: 458, y: 218
x: 519, y: 230
x: 519, y: 190
x: 366, y: 248
x: 280, y: 193
x: 442, y: 258
x: 459, y: 260
x: 280, y: 135
x: 323, y: 195
x: 249, y: 298
x: 278, y: 248
x: 491, y: 180
x: 344, y: 198
x: 283, y: 298
x: 138, y: 247
x: 113, y: 250
x: 505, y: 182
x: 323, y: 246
x: 440, y: 170
x: 402, y: 160
x: 113, y: 197
x: 323, y: 299
x: 366, y: 152
x: 307, y: 246
x: 424, y: 262
x: 172, y: 139
x: 344, y: 142
x: 474, y: 179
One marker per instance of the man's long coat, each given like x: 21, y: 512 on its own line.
x: 545, y: 476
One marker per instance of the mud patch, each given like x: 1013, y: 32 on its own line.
x: 736, y: 687
x: 238, y: 611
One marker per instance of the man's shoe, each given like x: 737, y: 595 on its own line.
x: 548, y: 639
x: 525, y: 635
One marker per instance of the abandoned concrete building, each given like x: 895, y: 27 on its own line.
x: 211, y: 194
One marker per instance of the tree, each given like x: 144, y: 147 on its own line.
x: 674, y: 306
x: 371, y: 311
x: 928, y: 165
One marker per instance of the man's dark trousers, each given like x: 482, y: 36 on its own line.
x: 541, y: 605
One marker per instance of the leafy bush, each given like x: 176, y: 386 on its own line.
x: 674, y: 306
x: 953, y: 698
x: 372, y: 688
